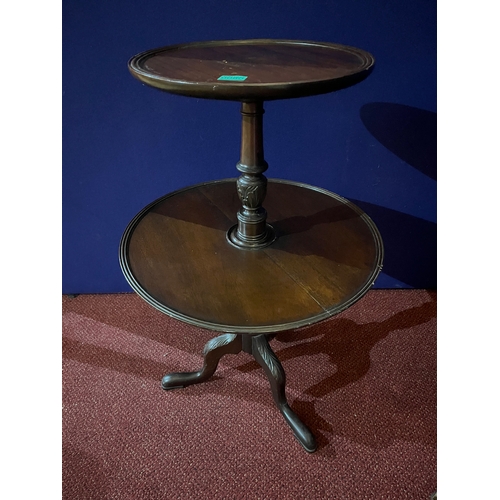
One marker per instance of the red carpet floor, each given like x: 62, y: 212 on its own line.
x: 363, y: 381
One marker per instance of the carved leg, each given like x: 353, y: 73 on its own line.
x: 228, y: 343
x: 265, y: 356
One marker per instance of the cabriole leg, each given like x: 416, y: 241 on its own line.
x: 228, y: 343
x: 265, y: 356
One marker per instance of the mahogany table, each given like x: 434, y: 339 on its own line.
x: 211, y: 255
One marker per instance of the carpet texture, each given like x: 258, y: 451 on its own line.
x: 363, y: 381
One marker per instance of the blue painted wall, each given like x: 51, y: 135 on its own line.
x: 125, y: 144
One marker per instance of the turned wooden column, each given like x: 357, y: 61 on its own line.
x: 252, y: 231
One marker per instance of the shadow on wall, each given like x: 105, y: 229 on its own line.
x: 410, y: 242
x: 410, y: 133
x: 410, y: 245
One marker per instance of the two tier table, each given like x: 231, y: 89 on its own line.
x: 250, y: 257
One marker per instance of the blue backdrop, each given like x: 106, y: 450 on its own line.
x: 126, y: 144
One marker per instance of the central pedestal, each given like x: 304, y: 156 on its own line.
x: 252, y: 231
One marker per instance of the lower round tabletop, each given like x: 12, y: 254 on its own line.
x: 176, y: 255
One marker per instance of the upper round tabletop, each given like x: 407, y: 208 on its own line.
x: 249, y: 70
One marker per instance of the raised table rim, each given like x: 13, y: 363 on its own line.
x: 251, y: 91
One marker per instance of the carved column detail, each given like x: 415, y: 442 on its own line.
x: 252, y: 231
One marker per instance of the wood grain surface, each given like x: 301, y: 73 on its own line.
x: 176, y: 256
x: 269, y: 69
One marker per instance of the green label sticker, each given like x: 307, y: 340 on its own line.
x: 233, y: 78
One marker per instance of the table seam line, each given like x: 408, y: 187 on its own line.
x: 275, y: 262
x: 296, y: 280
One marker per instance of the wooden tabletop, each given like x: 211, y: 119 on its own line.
x: 252, y: 70
x: 326, y: 256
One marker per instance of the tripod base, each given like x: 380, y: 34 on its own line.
x: 259, y: 347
